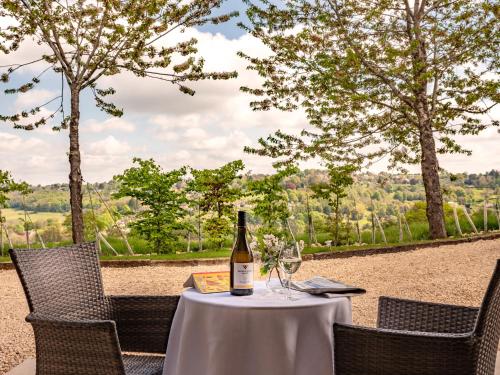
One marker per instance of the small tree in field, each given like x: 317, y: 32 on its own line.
x: 24, y: 189
x: 89, y: 40
x: 161, y: 201
x: 7, y: 185
x: 217, y: 196
x: 392, y: 77
x: 270, y: 199
x: 334, y: 190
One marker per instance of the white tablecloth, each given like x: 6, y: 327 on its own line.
x: 262, y: 334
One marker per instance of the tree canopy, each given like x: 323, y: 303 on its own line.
x: 269, y: 197
x: 334, y: 190
x: 217, y: 196
x: 90, y: 40
x: 391, y: 78
x: 7, y: 185
x: 162, y: 203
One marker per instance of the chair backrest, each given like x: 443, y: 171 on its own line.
x: 62, y: 282
x: 488, y: 325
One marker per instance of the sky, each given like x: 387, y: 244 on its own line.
x: 203, y: 131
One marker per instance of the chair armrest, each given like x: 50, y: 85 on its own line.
x: 66, y: 346
x: 143, y: 322
x: 407, y: 315
x: 365, y: 351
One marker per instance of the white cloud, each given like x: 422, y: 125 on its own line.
x: 204, y: 131
x: 196, y: 134
x: 485, y: 149
x: 215, y: 102
x: 110, y: 124
x: 31, y: 158
x: 34, y: 98
x: 103, y: 159
x: 108, y: 146
x: 13, y: 143
x: 172, y: 122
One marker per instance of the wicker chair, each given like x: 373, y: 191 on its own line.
x: 80, y: 331
x: 423, y: 338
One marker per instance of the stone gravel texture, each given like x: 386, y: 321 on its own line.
x: 456, y: 274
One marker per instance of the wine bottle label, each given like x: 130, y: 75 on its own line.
x: 243, y: 276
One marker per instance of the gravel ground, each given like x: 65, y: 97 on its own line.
x: 450, y: 274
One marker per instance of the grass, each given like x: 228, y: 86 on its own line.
x: 223, y: 253
x: 226, y: 252
x: 419, y: 230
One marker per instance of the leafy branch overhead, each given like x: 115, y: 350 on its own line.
x: 394, y: 78
x: 89, y: 40
x: 369, y: 76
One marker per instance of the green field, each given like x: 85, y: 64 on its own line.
x: 13, y: 215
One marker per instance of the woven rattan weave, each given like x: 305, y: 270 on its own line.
x: 81, y: 331
x: 417, y: 338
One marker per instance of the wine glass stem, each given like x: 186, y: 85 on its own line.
x: 289, y: 282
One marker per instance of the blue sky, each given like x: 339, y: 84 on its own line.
x: 203, y: 131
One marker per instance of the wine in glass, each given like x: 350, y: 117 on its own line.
x: 289, y: 261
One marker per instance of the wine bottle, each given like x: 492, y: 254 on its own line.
x: 241, y: 282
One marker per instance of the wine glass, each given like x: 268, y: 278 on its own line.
x: 289, y: 261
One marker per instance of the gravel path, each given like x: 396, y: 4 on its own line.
x: 450, y: 274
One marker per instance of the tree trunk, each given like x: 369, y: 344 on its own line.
x: 348, y: 228
x: 457, y: 222
x: 430, y: 176
x: 469, y: 219
x: 75, y: 175
x: 400, y: 225
x: 26, y: 225
x: 309, y: 221
x: 27, y: 234
x: 337, y: 220
x: 200, y: 238
x: 485, y: 215
x: 429, y: 161
x: 379, y: 224
x: 373, y: 228
x: 1, y: 233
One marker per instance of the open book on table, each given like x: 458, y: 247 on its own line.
x: 208, y: 282
x: 326, y: 287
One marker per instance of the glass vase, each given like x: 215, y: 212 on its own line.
x: 274, y: 282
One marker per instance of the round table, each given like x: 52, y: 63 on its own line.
x: 262, y: 334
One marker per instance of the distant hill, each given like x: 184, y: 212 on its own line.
x: 382, y: 187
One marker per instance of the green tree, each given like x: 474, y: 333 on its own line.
x: 53, y: 231
x: 161, y: 202
x: 7, y: 185
x: 89, y: 40
x: 269, y: 197
x: 334, y: 190
x: 92, y: 223
x: 24, y: 189
x: 403, y: 77
x: 217, y: 196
